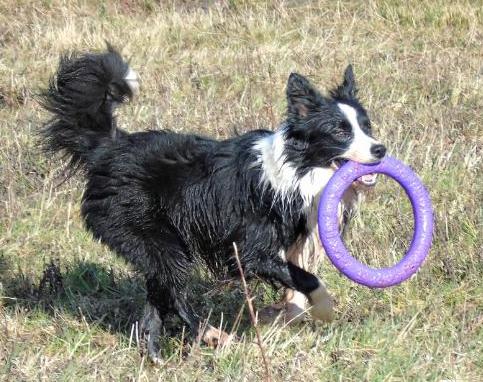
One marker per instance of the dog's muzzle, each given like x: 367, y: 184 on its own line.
x: 368, y: 180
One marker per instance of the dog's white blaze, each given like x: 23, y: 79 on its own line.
x: 132, y: 81
x: 281, y: 175
x: 360, y: 148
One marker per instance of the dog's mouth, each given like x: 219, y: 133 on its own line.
x: 368, y: 180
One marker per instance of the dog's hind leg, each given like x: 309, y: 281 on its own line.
x: 158, y: 305
x: 151, y: 331
x: 163, y: 298
x: 171, y: 296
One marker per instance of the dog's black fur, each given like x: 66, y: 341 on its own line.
x: 167, y: 202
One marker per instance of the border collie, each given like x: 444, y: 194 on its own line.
x: 167, y: 202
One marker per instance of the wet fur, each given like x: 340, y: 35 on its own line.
x: 169, y: 202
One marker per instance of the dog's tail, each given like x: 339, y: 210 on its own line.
x: 82, y: 98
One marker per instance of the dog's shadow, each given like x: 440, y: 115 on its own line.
x: 114, y: 300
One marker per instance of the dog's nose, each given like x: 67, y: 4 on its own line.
x: 378, y: 151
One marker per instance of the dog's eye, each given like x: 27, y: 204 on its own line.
x: 299, y: 144
x: 343, y: 134
x: 365, y: 125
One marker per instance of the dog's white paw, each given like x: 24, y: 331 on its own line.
x: 322, y: 304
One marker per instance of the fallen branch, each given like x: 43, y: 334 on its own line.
x: 253, y: 318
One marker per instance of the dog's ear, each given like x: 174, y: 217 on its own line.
x: 302, y: 97
x: 348, y: 89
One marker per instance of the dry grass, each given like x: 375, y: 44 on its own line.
x: 209, y: 67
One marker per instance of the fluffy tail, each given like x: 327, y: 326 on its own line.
x: 82, y: 98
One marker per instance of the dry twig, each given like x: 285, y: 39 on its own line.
x: 253, y: 318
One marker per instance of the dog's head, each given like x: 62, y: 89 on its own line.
x: 324, y: 131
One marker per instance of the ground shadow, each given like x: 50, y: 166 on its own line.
x: 115, y: 300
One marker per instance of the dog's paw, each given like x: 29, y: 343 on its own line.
x: 288, y: 312
x: 132, y: 80
x: 155, y: 359
x: 150, y: 328
x: 217, y: 338
x: 270, y: 314
x: 322, y: 305
x: 294, y: 313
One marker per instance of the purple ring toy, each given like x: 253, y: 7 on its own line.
x: 329, y: 223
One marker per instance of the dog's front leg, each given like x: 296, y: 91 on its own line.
x: 304, y: 253
x: 307, y: 253
x: 296, y: 278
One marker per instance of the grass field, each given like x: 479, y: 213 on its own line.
x: 68, y: 306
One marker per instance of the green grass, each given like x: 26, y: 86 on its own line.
x: 208, y: 67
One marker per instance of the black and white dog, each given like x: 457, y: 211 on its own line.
x: 167, y: 202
